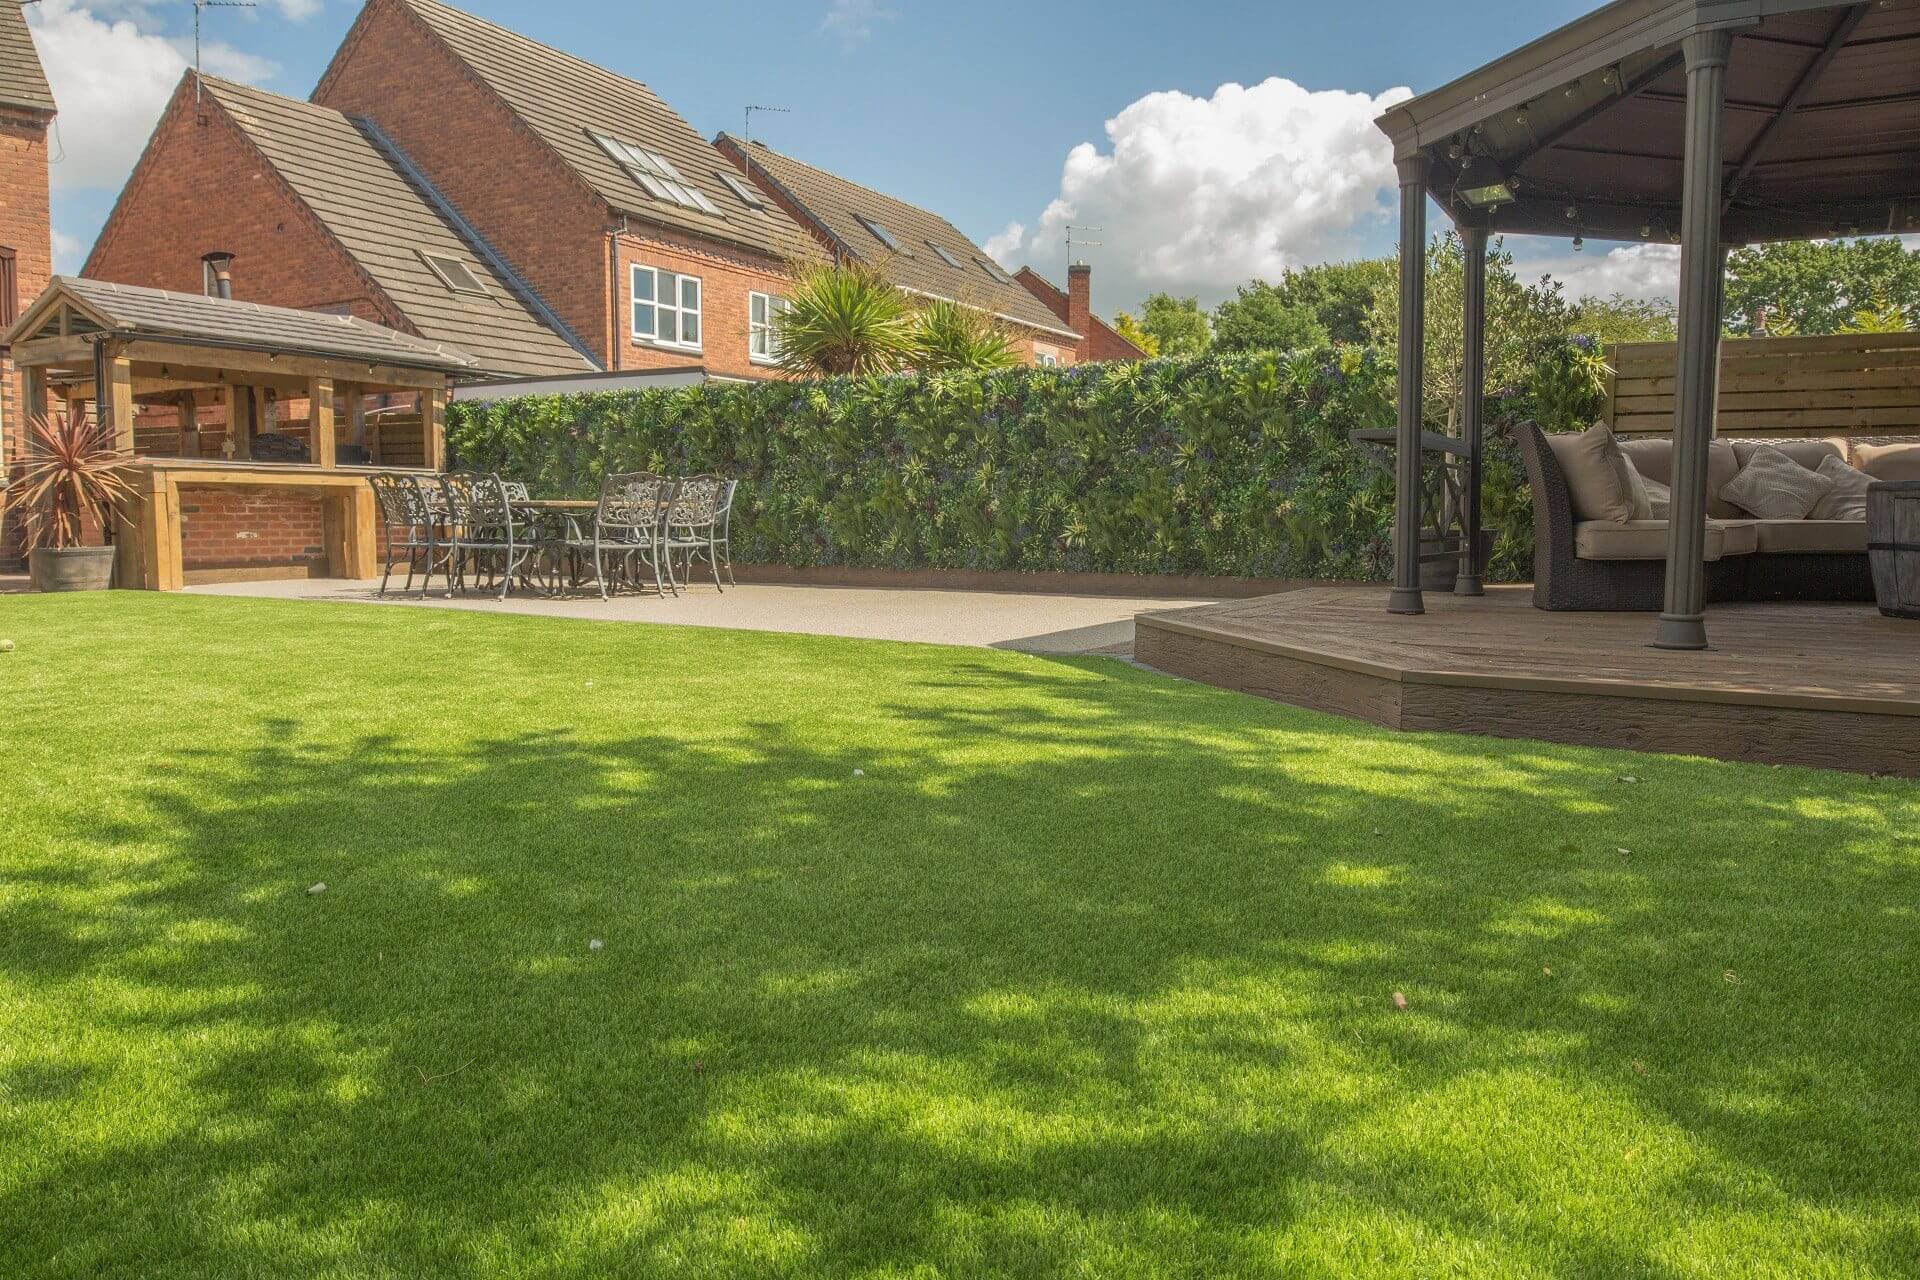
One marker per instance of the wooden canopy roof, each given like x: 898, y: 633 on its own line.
x: 1586, y: 125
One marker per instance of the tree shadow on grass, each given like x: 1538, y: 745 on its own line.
x: 1084, y: 970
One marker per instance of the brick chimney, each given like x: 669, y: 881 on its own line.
x: 1080, y: 305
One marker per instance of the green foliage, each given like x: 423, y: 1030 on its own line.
x: 951, y: 335
x: 1178, y: 325
x: 1879, y: 316
x: 1233, y: 465
x: 1330, y: 302
x: 844, y: 318
x: 1129, y: 328
x: 1814, y: 287
x: 1623, y: 319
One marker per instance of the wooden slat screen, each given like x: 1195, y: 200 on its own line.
x: 1847, y: 384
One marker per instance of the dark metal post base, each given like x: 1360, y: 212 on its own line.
x: 1468, y: 584
x: 1680, y: 631
x: 1406, y: 600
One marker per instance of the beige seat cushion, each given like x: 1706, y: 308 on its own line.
x: 1773, y: 486
x: 1889, y: 461
x: 1597, y: 473
x: 1653, y: 459
x: 1647, y: 539
x: 1824, y: 536
x: 1847, y: 500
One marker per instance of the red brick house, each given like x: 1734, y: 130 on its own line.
x: 318, y: 217
x: 26, y: 234
x: 918, y: 250
x: 641, y: 239
x: 1074, y: 306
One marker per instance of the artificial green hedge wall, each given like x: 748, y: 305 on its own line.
x: 1236, y: 465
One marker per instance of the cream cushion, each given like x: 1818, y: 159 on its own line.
x: 1774, y: 487
x: 1659, y: 499
x: 1640, y: 495
x: 1598, y: 475
x: 1888, y: 461
x: 1847, y: 500
x: 1828, y: 537
x: 1807, y: 453
x: 1647, y: 539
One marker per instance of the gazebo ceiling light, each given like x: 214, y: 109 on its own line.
x: 1483, y: 185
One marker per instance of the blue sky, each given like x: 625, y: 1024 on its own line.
x: 978, y: 118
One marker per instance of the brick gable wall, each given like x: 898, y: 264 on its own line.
x: 26, y: 229
x: 202, y: 186
x: 528, y: 204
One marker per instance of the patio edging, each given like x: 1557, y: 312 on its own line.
x: 1054, y: 582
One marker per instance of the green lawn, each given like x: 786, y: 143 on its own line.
x: 916, y: 962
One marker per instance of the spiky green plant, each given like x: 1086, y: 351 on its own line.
x: 72, y: 471
x: 955, y: 336
x: 844, y: 318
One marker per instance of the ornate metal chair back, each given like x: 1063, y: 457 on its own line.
x: 400, y: 499
x: 633, y: 500
x: 697, y: 503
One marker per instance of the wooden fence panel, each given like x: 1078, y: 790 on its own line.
x: 1839, y: 384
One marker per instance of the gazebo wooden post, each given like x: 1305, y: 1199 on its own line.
x: 1473, y: 381
x: 1405, y: 597
x: 1682, y: 623
x: 320, y: 436
x: 239, y: 407
x: 433, y: 429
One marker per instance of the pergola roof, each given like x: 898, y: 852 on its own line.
x: 162, y: 315
x: 1822, y: 122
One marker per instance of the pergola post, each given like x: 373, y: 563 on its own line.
x: 1682, y: 623
x: 321, y: 446
x: 239, y: 410
x: 1413, y: 316
x: 433, y: 429
x: 1473, y: 381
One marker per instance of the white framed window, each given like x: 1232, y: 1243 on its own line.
x: 1048, y: 360
x: 666, y: 308
x: 763, y: 324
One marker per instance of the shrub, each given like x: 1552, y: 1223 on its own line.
x: 1235, y: 465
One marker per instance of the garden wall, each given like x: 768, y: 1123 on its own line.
x: 1236, y: 465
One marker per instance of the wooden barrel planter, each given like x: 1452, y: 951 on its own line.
x: 1893, y: 545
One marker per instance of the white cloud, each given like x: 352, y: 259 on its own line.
x: 1636, y: 270
x: 853, y: 20
x: 68, y: 253
x: 111, y: 78
x: 1197, y: 195
x: 1007, y: 245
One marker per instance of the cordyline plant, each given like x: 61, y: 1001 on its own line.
x: 72, y: 471
x: 951, y: 336
x: 844, y: 318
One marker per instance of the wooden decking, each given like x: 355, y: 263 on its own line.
x: 1836, y: 686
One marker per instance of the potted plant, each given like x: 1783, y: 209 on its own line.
x: 72, y: 471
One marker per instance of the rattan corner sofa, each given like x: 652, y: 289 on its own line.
x: 1599, y: 565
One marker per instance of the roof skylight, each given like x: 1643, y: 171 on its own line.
x: 748, y: 196
x: 883, y: 235
x: 453, y: 273
x: 993, y: 271
x: 945, y: 257
x: 655, y: 174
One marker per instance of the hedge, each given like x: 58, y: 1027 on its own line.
x: 1233, y: 465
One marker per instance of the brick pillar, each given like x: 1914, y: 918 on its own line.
x: 1080, y: 307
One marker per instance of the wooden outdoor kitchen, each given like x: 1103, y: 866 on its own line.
x: 226, y: 405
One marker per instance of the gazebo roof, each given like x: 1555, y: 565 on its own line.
x: 1586, y: 125
x: 191, y: 319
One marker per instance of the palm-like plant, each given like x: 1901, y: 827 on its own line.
x: 844, y: 318
x: 72, y: 471
x: 951, y: 335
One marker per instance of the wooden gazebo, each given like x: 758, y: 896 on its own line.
x: 1709, y: 123
x: 190, y: 384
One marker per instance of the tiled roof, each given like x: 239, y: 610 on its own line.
x: 561, y: 97
x: 163, y: 313
x: 838, y: 206
x: 22, y: 81
x: 386, y: 224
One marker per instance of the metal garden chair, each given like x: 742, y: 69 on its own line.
x: 696, y: 524
x: 407, y: 525
x: 488, y: 532
x: 628, y: 525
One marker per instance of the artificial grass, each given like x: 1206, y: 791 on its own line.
x: 915, y: 962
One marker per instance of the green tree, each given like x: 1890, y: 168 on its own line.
x: 1817, y: 286
x: 1527, y: 324
x: 1129, y: 328
x: 952, y: 335
x: 844, y: 318
x: 1623, y: 319
x: 1178, y: 325
x: 1337, y: 295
